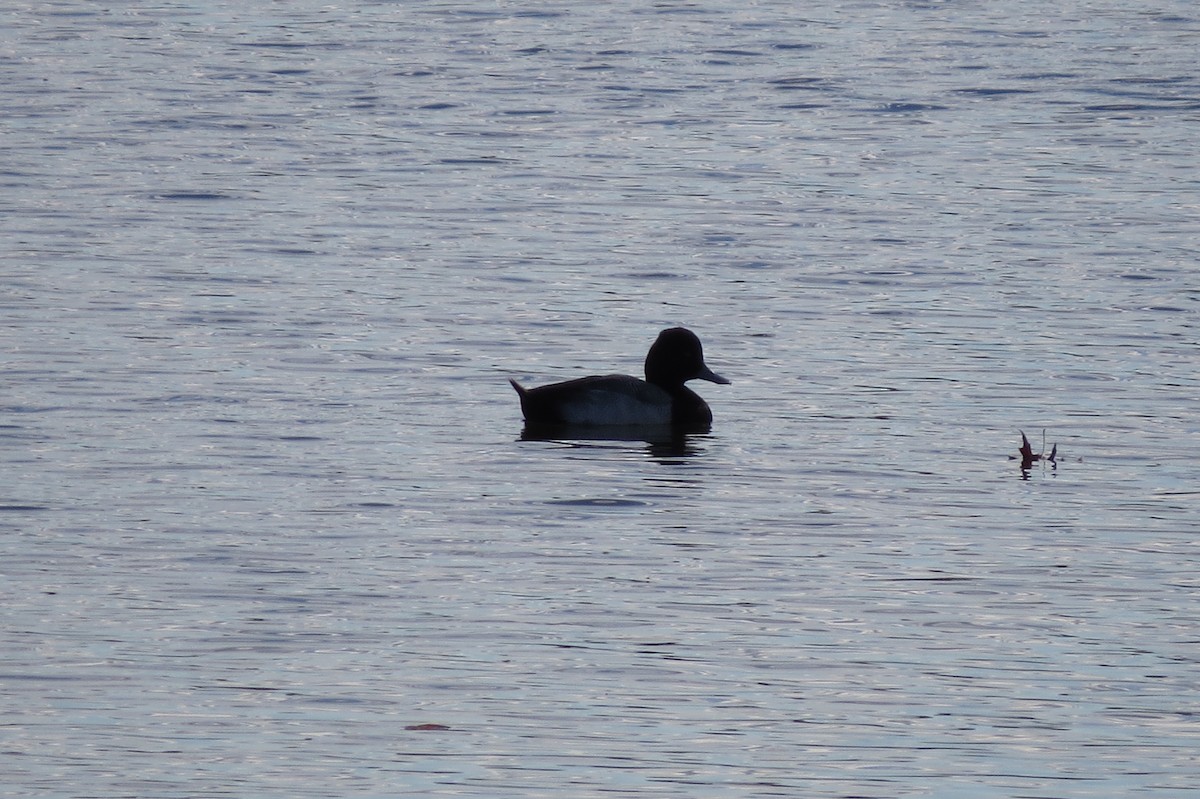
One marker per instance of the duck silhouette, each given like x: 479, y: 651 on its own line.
x: 608, y: 400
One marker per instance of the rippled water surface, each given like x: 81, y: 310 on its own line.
x: 269, y: 527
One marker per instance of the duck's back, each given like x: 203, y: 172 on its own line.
x: 602, y: 400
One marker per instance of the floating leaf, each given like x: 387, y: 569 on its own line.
x: 1029, y: 457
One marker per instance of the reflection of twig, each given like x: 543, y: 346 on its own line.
x: 1029, y: 457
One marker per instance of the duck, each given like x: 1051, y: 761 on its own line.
x: 661, y: 399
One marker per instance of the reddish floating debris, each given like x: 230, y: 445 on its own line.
x: 424, y: 727
x: 1029, y: 457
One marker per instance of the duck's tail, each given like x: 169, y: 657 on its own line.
x: 523, y: 393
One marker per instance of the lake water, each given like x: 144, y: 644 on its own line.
x: 268, y: 526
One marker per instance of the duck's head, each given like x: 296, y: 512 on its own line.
x: 677, y: 357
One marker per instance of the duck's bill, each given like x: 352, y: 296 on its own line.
x: 712, y: 377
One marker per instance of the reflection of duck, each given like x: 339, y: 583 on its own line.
x: 661, y: 441
x: 661, y: 399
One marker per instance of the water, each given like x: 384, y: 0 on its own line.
x: 269, y: 526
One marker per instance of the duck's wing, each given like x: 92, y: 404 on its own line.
x: 601, y: 400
